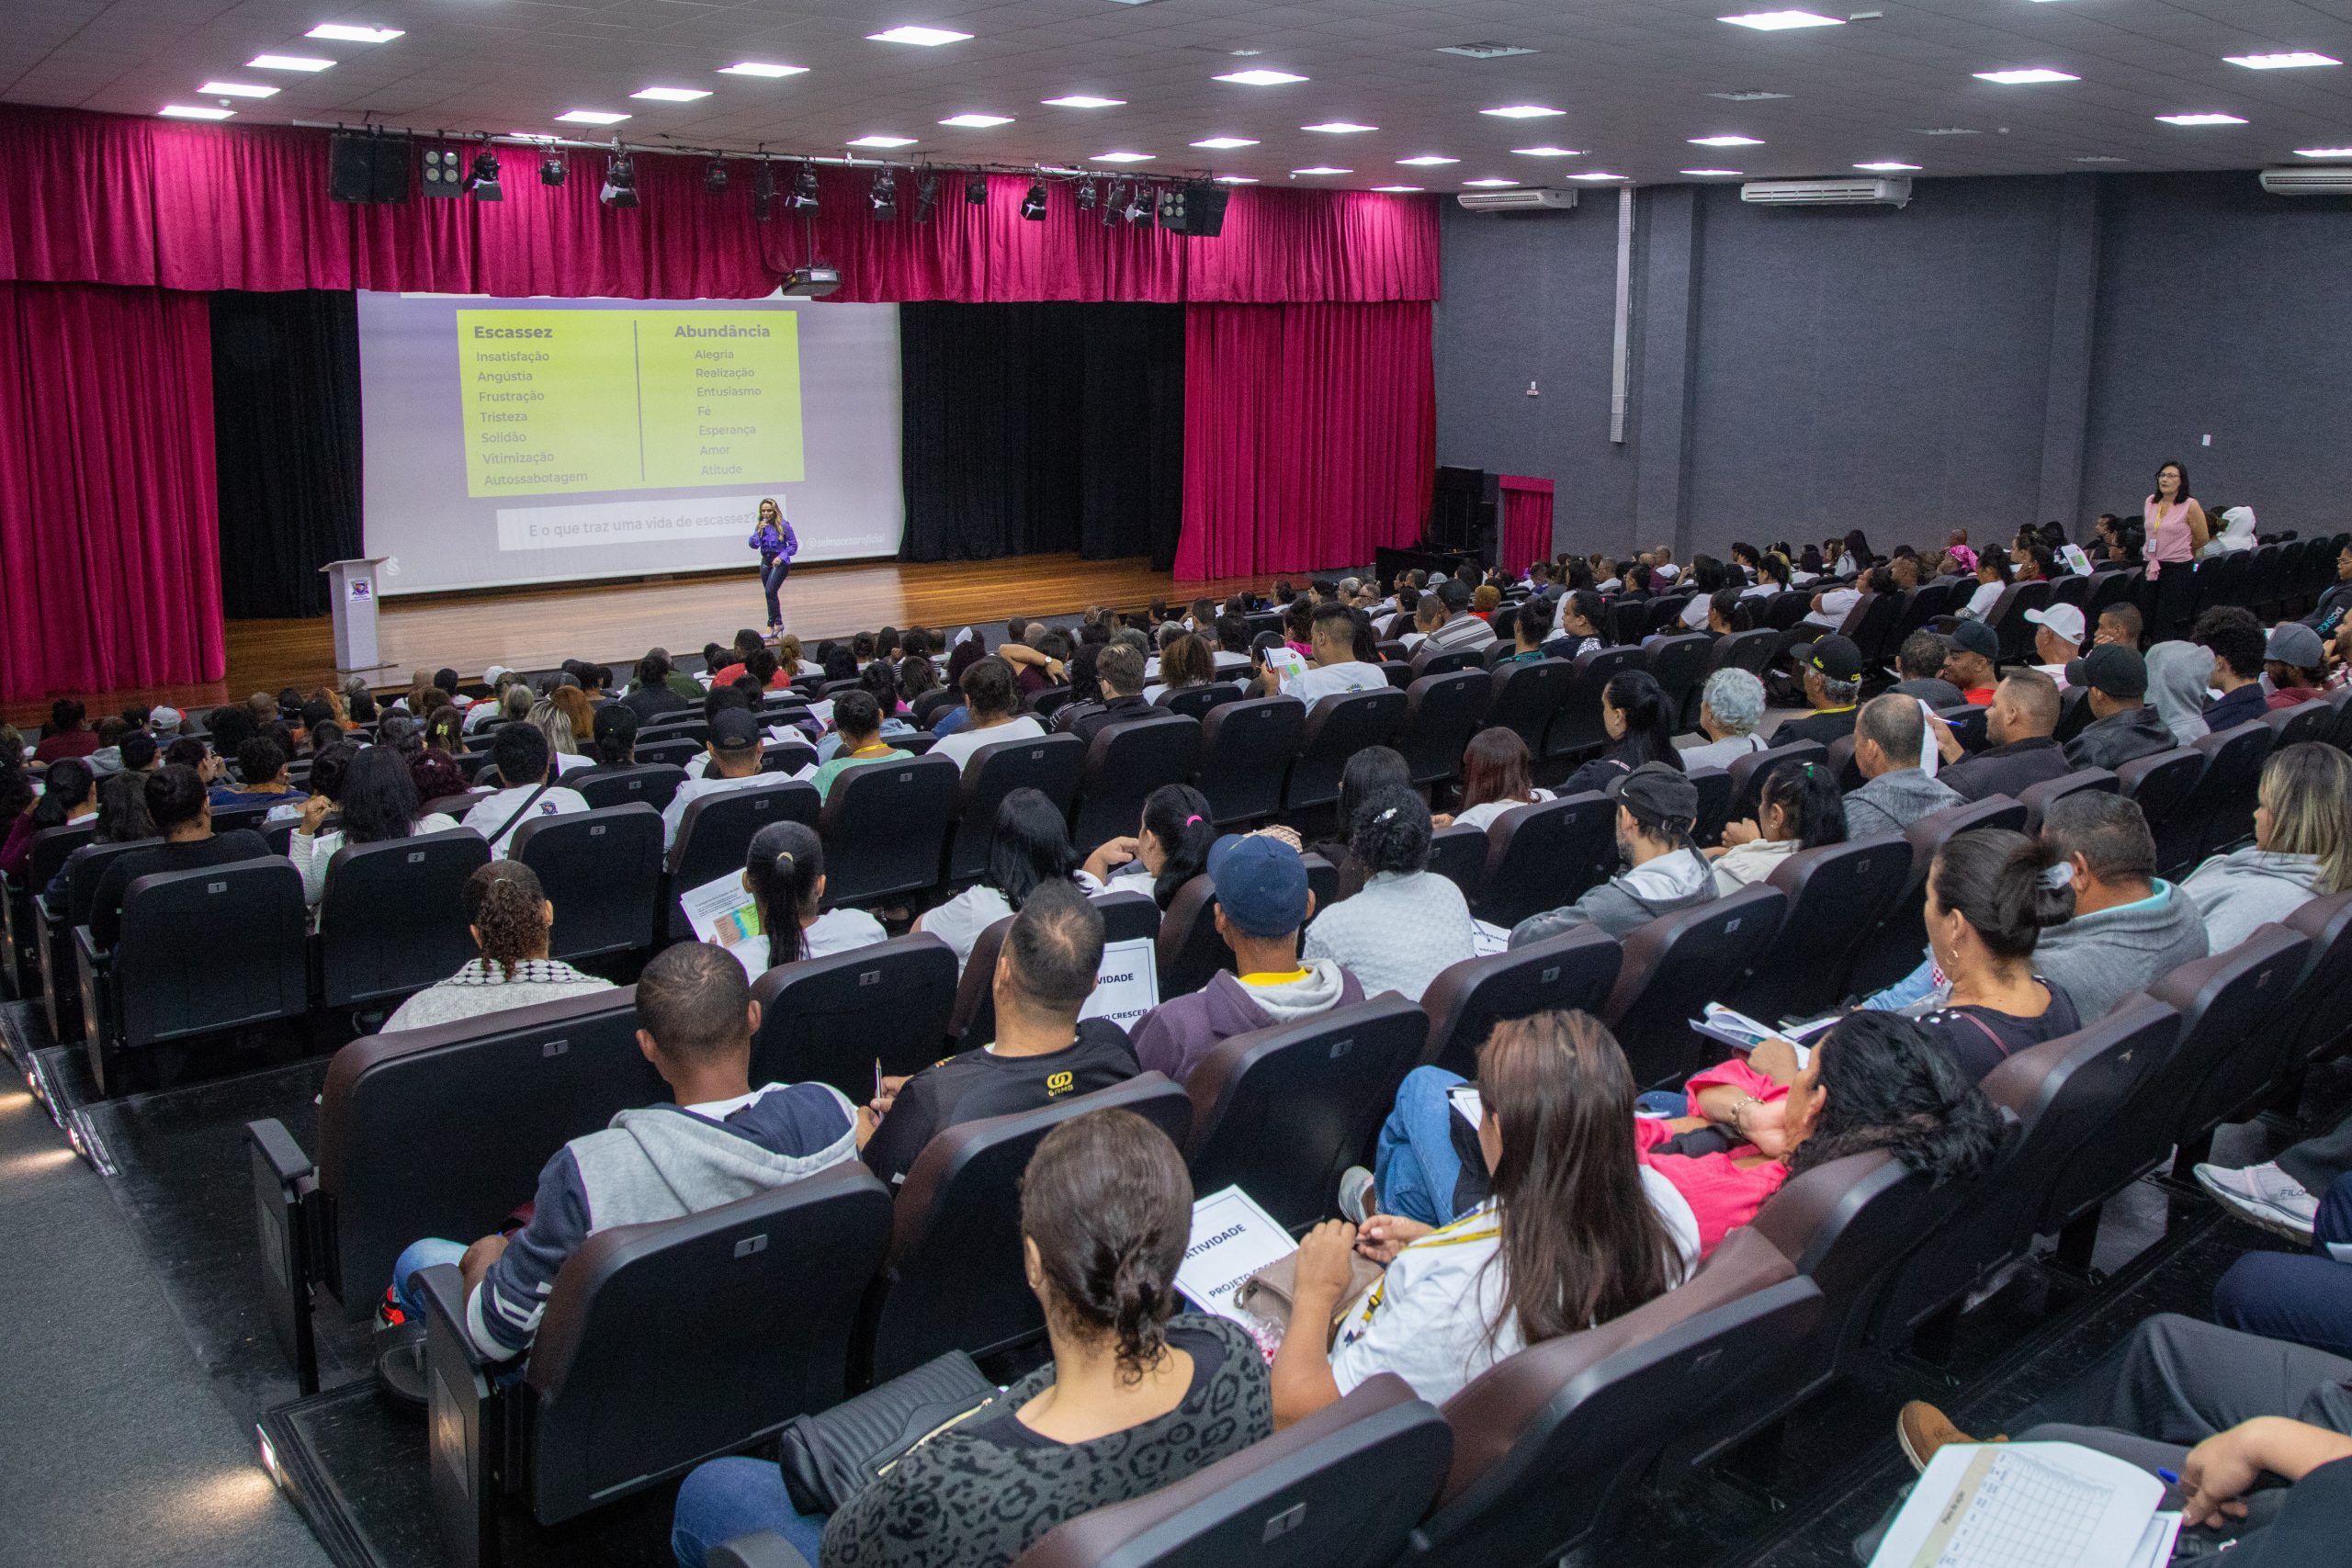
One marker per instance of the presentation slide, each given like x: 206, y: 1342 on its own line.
x: 531, y: 441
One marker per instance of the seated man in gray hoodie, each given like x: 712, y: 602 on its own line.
x: 2130, y: 927
x: 1890, y: 736
x: 1664, y: 870
x: 1262, y: 902
x: 721, y: 1139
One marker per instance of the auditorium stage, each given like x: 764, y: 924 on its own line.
x: 612, y: 623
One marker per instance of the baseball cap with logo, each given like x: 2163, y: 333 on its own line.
x: 2064, y: 619
x: 1837, y: 657
x: 1658, y: 796
x: 1260, y: 883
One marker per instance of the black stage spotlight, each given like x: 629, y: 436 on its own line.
x: 1086, y: 195
x: 1139, y: 204
x: 926, y: 198
x: 763, y: 192
x: 975, y: 189
x: 1113, y: 200
x: 1033, y: 206
x: 885, y: 195
x: 481, y: 181
x: 714, y: 178
x: 804, y: 190
x: 620, y: 179
x: 553, y: 168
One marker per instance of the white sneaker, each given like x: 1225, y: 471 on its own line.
x: 1355, y: 1194
x: 2263, y: 1195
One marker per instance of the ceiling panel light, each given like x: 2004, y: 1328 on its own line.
x: 1338, y: 127
x: 2324, y: 151
x: 1780, y: 21
x: 2022, y: 77
x: 1222, y: 143
x: 2201, y: 118
x: 193, y: 111
x: 1746, y: 96
x: 881, y: 142
x: 977, y: 121
x: 1596, y: 174
x: 341, y: 34
x: 2292, y: 61
x: 760, y: 68
x: 2103, y: 158
x: 1260, y: 78
x: 1083, y: 101
x: 1945, y: 131
x: 1714, y: 174
x: 1426, y: 160
x: 590, y: 117
x: 1236, y: 179
x: 1484, y: 51
x: 928, y: 38
x: 1121, y: 158
x: 1726, y: 141
x: 1489, y: 184
x: 1522, y: 111
x: 1889, y: 167
x: 288, y: 63
x: 1549, y: 152
x: 671, y: 94
x: 1322, y: 169
x: 236, y: 90
x: 1397, y: 190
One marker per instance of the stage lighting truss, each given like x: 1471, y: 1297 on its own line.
x: 481, y: 180
x: 804, y: 190
x: 714, y: 178
x: 926, y: 198
x: 620, y: 179
x: 1033, y: 206
x: 885, y: 195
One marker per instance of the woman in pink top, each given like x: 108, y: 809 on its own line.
x: 1878, y: 1080
x: 2177, y: 530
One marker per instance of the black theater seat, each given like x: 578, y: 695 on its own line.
x: 1572, y: 972
x: 842, y: 1019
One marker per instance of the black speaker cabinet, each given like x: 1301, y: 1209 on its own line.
x: 1465, y: 513
x: 363, y: 167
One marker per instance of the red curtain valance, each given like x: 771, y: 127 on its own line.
x: 105, y: 199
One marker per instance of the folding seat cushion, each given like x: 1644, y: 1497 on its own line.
x: 251, y: 965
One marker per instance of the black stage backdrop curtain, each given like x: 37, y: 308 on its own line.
x: 286, y: 428
x: 1040, y: 428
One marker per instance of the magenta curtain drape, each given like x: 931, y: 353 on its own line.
x: 109, y: 538
x: 1309, y: 436
x: 1527, y: 520
x: 103, y: 198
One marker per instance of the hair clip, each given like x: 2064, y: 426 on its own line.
x: 1192, y: 819
x: 1386, y: 815
x: 2058, y: 875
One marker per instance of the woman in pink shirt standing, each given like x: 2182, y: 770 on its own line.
x: 2176, y: 531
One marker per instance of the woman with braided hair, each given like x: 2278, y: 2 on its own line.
x: 1134, y: 1399
x: 510, y: 918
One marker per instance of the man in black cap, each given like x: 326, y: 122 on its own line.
x: 2123, y: 725
x: 734, y: 750
x: 1969, y: 663
x: 1832, y: 672
x: 1664, y: 870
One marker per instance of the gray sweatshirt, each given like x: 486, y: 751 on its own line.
x: 1891, y: 802
x: 2100, y: 959
x: 1630, y: 900
x: 2252, y: 887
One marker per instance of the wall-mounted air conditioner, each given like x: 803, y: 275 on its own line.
x: 1827, y: 193
x: 1529, y: 201
x: 2324, y: 180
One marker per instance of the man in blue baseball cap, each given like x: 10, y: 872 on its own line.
x: 1262, y: 902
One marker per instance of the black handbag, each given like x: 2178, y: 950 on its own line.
x: 828, y: 1457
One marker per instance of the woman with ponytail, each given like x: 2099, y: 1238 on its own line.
x: 1639, y: 718
x: 1171, y: 845
x: 1136, y: 1397
x: 510, y: 918
x: 785, y: 873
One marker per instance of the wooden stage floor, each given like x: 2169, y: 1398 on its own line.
x: 614, y: 622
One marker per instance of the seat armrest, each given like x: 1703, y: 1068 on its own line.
x: 284, y: 1181
x: 761, y: 1549
x: 465, y: 1426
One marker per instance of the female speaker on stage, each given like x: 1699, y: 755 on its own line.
x: 777, y: 544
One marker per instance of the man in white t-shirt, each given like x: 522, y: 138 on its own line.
x: 992, y: 697
x: 731, y: 762
x: 1337, y: 670
x: 520, y: 754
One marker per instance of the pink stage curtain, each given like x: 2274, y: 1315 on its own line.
x: 1309, y: 436
x: 102, y: 198
x: 1527, y: 520
x: 109, y: 538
